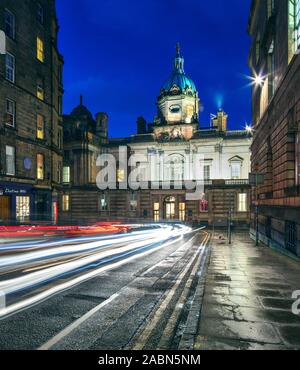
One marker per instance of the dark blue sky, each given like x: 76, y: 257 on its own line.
x: 118, y: 53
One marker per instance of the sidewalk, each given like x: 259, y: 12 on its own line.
x: 244, y: 300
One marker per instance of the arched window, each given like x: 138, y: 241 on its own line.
x: 175, y: 168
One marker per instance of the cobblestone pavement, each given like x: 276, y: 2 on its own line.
x: 245, y: 299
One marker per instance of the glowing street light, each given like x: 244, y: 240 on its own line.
x: 249, y: 129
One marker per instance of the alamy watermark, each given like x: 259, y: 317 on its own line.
x: 296, y: 304
x: 154, y: 170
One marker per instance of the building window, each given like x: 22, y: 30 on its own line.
x: 60, y: 73
x: 10, y: 67
x: 235, y: 170
x: 40, y: 14
x: 66, y: 174
x: 10, y: 24
x: 133, y: 201
x: 40, y: 166
x: 257, y: 49
x: 264, y: 97
x: 66, y: 203
x: 58, y: 177
x: 242, y: 202
x: 103, y: 202
x: 182, y: 212
x: 10, y: 152
x: 40, y: 134
x: 10, y: 119
x: 120, y: 175
x: 156, y: 209
x: 22, y: 209
x: 206, y: 172
x: 203, y: 205
x: 270, y: 10
x: 271, y: 71
x: 59, y: 104
x: 40, y: 49
x: 59, y: 138
x: 294, y: 27
x: 40, y: 90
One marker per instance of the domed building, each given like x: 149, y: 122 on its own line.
x: 178, y: 101
x: 167, y: 156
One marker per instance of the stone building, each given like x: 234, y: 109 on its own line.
x: 30, y: 112
x: 84, y: 138
x: 275, y: 63
x: 218, y: 159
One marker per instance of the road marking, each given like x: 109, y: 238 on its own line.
x: 172, y: 322
x: 57, y: 338
x: 146, y: 332
x: 2, y: 300
x: 75, y: 324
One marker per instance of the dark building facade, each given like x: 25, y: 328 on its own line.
x: 275, y: 63
x: 31, y: 133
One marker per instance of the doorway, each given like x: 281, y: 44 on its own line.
x: 4, y: 209
x: 170, y: 208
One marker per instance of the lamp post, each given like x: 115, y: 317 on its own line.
x: 256, y: 179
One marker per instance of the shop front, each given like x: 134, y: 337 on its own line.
x: 16, y: 203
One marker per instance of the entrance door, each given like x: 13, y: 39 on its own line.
x: 170, y: 208
x: 4, y: 209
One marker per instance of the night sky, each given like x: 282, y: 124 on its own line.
x: 118, y: 53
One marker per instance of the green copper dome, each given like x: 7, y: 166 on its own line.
x: 178, y: 82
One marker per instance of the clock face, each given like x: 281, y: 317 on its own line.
x: 175, y: 109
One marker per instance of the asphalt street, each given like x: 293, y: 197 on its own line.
x: 136, y: 300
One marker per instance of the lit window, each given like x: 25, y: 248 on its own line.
x: 40, y: 14
x: 10, y: 119
x: 10, y: 67
x: 120, y: 175
x: 182, y: 212
x: 66, y: 174
x: 40, y: 166
x: 133, y: 201
x: 242, y: 202
x: 235, y: 170
x: 40, y: 49
x: 10, y: 160
x: 40, y: 127
x: 65, y: 203
x: 10, y: 24
x: 270, y: 6
x: 156, y: 212
x: 22, y: 208
x: 40, y: 90
x: 264, y: 97
x: 103, y: 202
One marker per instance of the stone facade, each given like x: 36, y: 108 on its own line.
x: 177, y: 143
x: 275, y: 60
x: 30, y: 109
